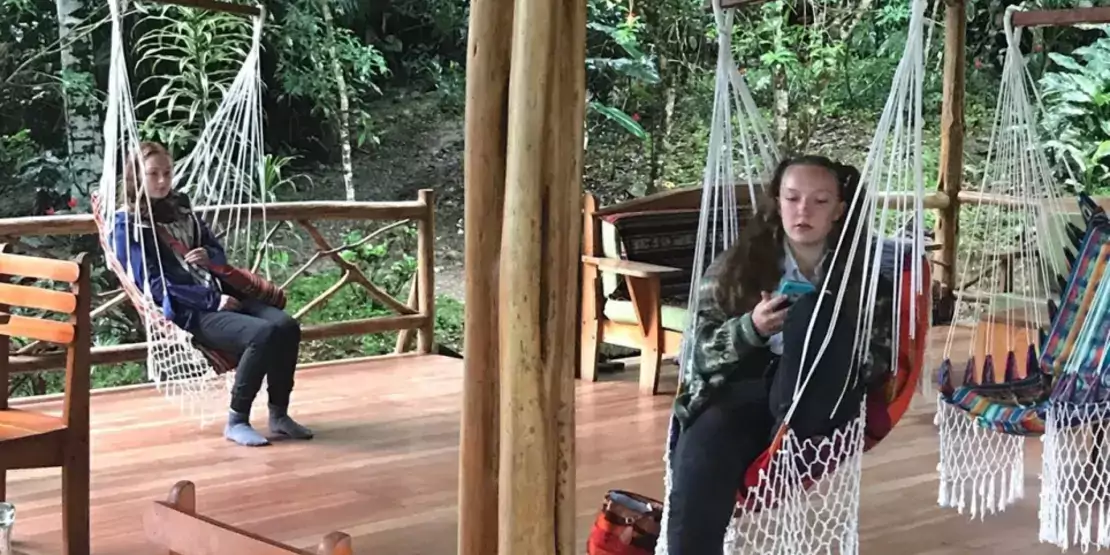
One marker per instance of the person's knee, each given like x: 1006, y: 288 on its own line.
x: 264, y: 333
x: 290, y: 328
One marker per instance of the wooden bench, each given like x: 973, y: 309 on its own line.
x: 648, y: 310
x: 175, y: 525
x: 30, y: 439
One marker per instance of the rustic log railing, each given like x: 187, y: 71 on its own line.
x: 415, y: 315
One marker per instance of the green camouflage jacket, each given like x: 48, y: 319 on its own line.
x: 724, y: 344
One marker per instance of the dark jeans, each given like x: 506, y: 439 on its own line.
x: 713, y: 453
x: 265, y: 339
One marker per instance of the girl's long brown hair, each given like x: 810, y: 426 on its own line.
x: 753, y: 264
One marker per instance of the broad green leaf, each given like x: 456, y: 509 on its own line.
x: 1065, y: 61
x: 624, y: 120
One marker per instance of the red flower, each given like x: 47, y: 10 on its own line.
x: 636, y: 117
x: 49, y: 211
x: 72, y: 202
x: 978, y: 63
x: 1038, y: 47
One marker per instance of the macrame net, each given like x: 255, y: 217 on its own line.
x: 995, y: 341
x: 807, y: 497
x: 223, y: 167
x: 1075, y: 478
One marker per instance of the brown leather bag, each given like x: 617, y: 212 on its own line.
x: 628, y: 524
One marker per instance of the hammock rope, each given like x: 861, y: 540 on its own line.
x: 1061, y: 395
x: 980, y: 470
x: 804, y: 494
x: 223, y: 172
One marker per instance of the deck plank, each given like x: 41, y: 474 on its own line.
x: 383, y: 468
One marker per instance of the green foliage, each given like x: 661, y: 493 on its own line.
x: 193, y: 58
x: 1077, y: 113
x: 304, y: 67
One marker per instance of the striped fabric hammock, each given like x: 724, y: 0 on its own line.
x: 1033, y: 368
x: 802, y: 494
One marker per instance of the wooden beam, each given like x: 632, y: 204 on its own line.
x: 115, y: 354
x: 83, y: 224
x: 489, y: 41
x: 904, y: 201
x: 527, y: 464
x: 425, y: 271
x: 564, y: 163
x: 1058, y: 18
x: 216, y: 6
x: 730, y: 4
x: 951, y: 149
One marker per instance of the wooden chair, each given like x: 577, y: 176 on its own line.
x: 34, y: 440
x: 650, y: 319
x: 176, y: 526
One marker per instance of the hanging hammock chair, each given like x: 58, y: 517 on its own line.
x: 222, y: 175
x: 1035, y: 364
x: 802, y: 494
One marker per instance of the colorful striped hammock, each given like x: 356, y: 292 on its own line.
x: 1018, y: 404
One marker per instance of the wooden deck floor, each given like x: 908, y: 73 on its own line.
x: 383, y: 468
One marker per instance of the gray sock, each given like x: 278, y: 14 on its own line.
x: 239, y: 430
x: 281, y: 423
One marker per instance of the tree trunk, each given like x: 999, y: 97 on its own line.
x: 83, y: 132
x: 344, y: 102
x: 660, y: 143
x: 782, y: 108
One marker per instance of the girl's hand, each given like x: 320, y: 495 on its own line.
x: 198, y: 256
x: 229, y: 303
x: 769, y: 314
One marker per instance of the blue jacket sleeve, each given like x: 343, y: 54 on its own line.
x: 130, y: 253
x: 211, y: 245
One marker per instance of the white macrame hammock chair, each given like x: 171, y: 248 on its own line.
x: 222, y: 174
x: 982, y: 424
x: 791, y: 510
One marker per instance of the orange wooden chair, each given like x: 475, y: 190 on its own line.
x: 175, y: 525
x: 34, y: 440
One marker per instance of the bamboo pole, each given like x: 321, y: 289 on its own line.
x: 951, y: 149
x: 487, y: 83
x: 526, y: 485
x: 564, y: 165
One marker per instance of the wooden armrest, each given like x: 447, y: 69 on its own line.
x: 628, y: 267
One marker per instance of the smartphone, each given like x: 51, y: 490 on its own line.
x: 792, y: 289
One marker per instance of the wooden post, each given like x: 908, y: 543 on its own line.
x: 426, y: 271
x: 527, y: 473
x: 565, y: 160
x: 487, y: 84
x: 951, y: 151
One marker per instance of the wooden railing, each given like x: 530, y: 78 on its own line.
x: 415, y: 315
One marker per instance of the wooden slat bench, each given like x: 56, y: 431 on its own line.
x: 30, y: 439
x: 175, y: 525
